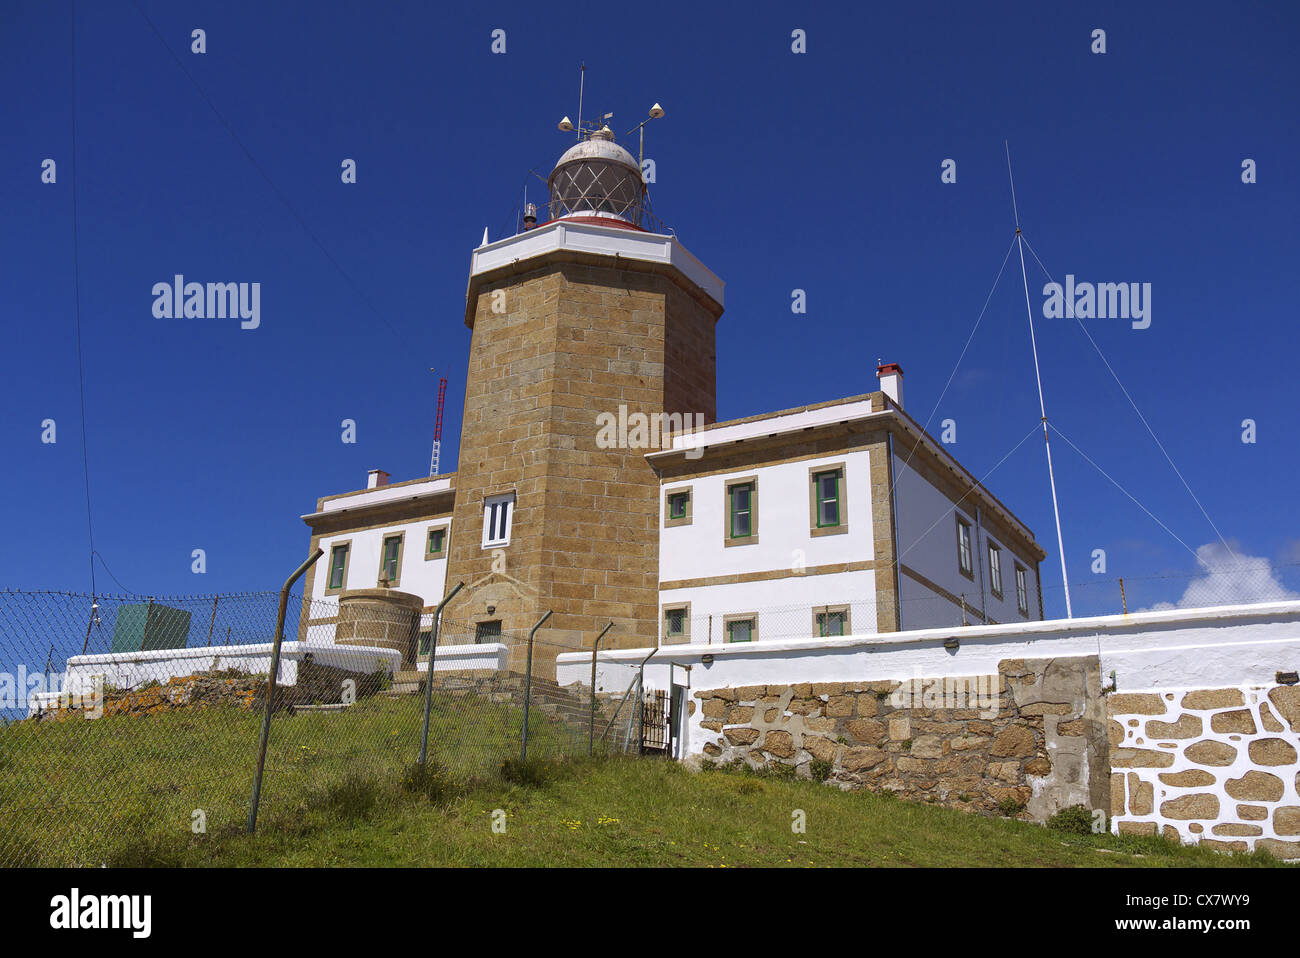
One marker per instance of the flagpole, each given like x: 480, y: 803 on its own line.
x: 1042, y: 408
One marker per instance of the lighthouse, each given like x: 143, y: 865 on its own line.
x: 597, y: 310
x: 596, y: 487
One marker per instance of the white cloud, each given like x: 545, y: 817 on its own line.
x: 1229, y: 580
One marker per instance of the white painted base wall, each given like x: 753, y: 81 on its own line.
x: 128, y: 669
x: 1228, y: 646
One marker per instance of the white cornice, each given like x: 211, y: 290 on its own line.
x: 592, y: 238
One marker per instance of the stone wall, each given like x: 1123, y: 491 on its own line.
x: 1214, y: 766
x: 1031, y: 735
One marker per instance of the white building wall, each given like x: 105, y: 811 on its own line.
x: 417, y: 575
x: 784, y: 605
x: 927, y: 542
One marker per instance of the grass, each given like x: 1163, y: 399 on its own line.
x: 339, y: 793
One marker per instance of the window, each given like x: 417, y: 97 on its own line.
x: 677, y: 507
x: 739, y: 628
x: 1022, y: 590
x: 827, y: 500
x: 435, y: 546
x: 338, y: 571
x: 742, y: 511
x: 390, y: 560
x: 964, y: 548
x: 426, y: 639
x: 995, y: 570
x: 675, y: 622
x: 827, y: 492
x: 831, y: 621
x: 498, y: 514
x: 487, y: 632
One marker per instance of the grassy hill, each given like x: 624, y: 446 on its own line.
x: 341, y: 791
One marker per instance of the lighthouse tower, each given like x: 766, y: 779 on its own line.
x: 596, y: 310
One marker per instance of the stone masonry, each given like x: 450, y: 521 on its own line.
x: 1216, y: 766
x: 567, y: 341
x: 1031, y: 736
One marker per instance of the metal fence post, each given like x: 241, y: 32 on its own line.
x: 270, y: 686
x: 428, y: 676
x: 528, y: 685
x: 640, y: 703
x: 213, y: 621
x: 591, y: 727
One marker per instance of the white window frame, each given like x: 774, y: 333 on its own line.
x: 496, y: 525
x: 1022, y: 590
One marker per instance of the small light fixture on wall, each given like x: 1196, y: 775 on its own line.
x: 491, y: 609
x: 706, y: 660
x: 952, y: 643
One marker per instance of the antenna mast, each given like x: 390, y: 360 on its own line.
x: 437, y: 425
x: 1042, y: 409
x: 582, y: 78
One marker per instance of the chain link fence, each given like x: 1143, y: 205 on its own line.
x: 130, y: 725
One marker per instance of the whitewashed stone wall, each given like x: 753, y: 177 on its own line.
x: 1216, y: 766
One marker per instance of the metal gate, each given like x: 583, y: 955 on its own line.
x: 655, y: 722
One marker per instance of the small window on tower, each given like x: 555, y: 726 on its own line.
x: 498, y: 516
x: 436, y: 546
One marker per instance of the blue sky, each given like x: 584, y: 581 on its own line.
x: 818, y: 171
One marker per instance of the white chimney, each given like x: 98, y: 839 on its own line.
x: 376, y: 479
x: 891, y: 381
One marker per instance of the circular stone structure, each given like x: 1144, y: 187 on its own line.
x: 384, y: 618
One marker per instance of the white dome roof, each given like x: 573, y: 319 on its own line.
x: 598, y: 147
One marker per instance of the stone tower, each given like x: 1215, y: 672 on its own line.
x: 577, y: 316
